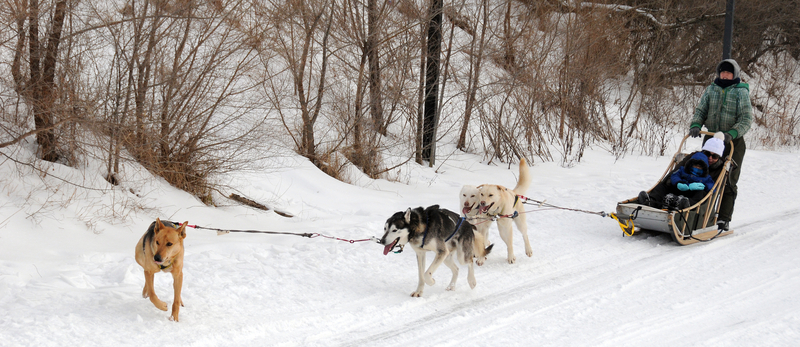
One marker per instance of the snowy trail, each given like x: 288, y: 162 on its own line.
x: 579, y: 292
x: 584, y: 285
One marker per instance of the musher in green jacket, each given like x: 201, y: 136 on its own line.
x: 725, y: 106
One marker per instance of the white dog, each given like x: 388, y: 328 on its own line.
x: 481, y: 204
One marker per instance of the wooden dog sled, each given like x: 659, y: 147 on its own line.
x: 696, y: 223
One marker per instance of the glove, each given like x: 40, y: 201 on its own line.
x: 728, y: 138
x: 682, y: 187
x: 697, y: 186
x: 695, y: 131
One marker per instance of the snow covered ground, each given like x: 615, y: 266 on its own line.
x: 68, y: 275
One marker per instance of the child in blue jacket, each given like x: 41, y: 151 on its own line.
x: 686, y: 185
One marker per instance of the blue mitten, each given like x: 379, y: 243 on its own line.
x: 682, y: 187
x: 697, y: 186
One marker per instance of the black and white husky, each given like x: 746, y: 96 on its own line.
x: 440, y: 231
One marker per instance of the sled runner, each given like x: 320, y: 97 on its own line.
x: 696, y: 223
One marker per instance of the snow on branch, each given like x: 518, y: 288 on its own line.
x: 646, y: 13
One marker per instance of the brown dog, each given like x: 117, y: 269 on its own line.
x: 161, y: 249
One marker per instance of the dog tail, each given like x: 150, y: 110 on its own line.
x: 524, y: 180
x: 477, y: 249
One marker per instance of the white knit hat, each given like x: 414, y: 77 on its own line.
x: 715, y: 144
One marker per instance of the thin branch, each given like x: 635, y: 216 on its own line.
x: 35, y: 131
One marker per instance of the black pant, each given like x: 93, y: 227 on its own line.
x: 731, y: 190
x: 664, y: 187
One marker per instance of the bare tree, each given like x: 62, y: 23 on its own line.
x: 302, y: 30
x: 473, y: 82
x: 38, y: 88
x: 177, y: 92
x: 372, y: 48
x: 173, y: 84
x: 361, y: 28
x: 421, y: 127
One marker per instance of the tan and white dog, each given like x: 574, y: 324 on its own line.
x: 161, y: 249
x: 481, y: 204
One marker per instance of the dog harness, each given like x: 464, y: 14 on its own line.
x: 458, y: 226
x: 513, y: 215
x: 425, y: 235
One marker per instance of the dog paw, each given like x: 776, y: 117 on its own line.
x: 512, y: 259
x: 529, y: 253
x: 451, y: 287
x: 173, y: 318
x: 472, y: 282
x: 416, y: 294
x: 429, y: 280
x: 159, y: 304
x: 480, y: 261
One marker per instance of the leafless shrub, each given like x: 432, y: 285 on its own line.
x: 777, y: 100
x: 177, y: 100
x: 191, y: 89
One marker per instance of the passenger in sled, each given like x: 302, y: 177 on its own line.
x: 691, y: 181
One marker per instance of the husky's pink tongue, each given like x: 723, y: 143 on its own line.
x: 466, y: 210
x: 389, y: 247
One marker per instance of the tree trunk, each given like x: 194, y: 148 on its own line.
x: 358, y: 143
x: 172, y: 87
x: 16, y: 65
x: 143, y: 69
x: 39, y: 89
x: 474, y: 78
x: 421, y: 95
x: 375, y: 102
x: 309, y: 149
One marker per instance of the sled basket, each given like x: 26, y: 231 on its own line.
x: 693, y: 224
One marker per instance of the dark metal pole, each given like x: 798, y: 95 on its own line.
x: 728, y: 37
x: 431, y: 121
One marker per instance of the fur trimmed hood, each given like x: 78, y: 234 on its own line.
x: 697, y: 158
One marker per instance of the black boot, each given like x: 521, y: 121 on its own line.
x: 683, y: 202
x: 643, y: 198
x: 723, y: 225
x: 670, y: 202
